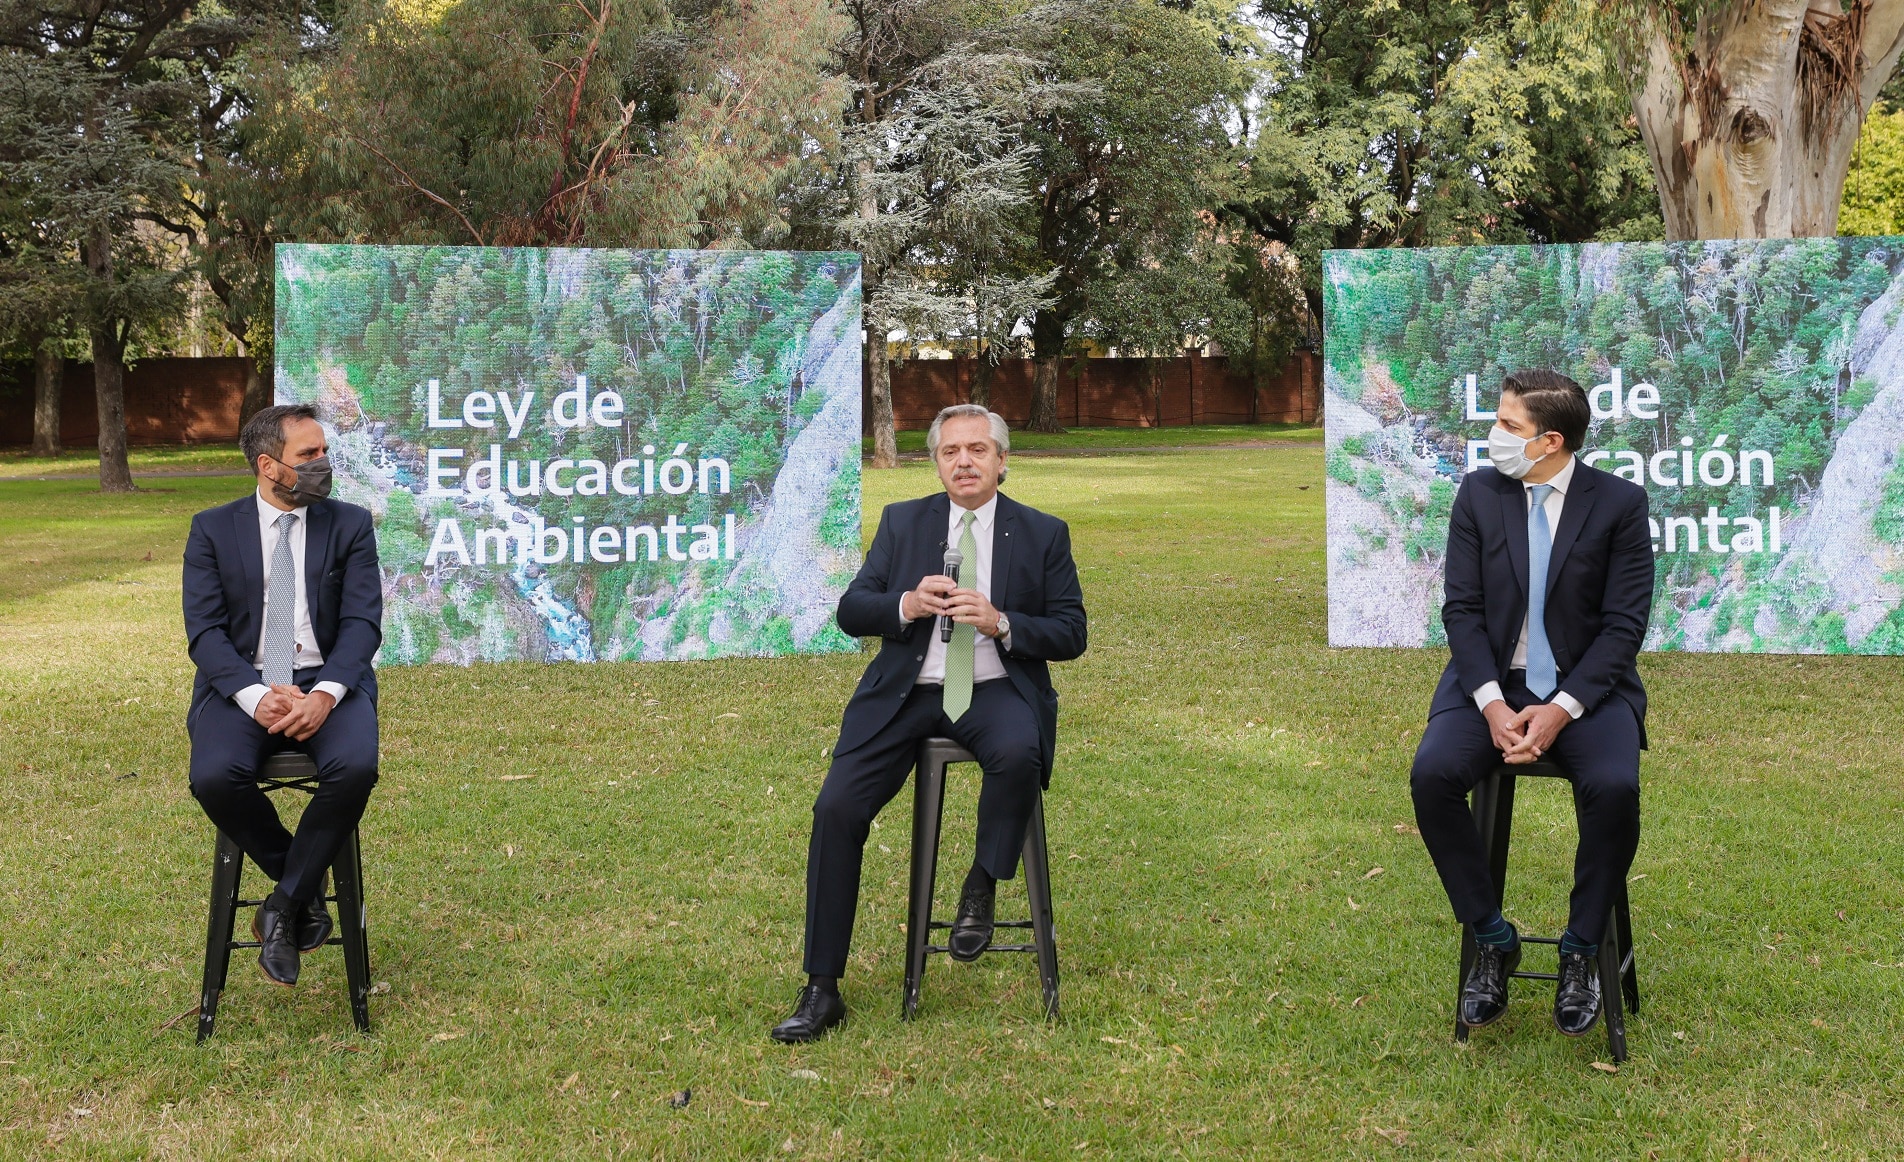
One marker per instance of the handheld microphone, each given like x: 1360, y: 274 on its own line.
x: 953, y: 559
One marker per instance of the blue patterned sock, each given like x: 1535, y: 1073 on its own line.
x: 1497, y: 932
x: 1571, y: 943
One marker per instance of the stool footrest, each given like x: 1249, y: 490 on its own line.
x: 931, y: 948
x: 995, y: 924
x: 1518, y: 975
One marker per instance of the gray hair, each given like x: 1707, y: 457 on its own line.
x: 1001, y: 435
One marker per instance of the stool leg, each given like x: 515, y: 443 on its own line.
x: 348, y: 875
x: 1493, y: 807
x: 227, y: 864
x: 1037, y: 863
x: 1610, y: 989
x: 1630, y: 976
x: 928, y: 802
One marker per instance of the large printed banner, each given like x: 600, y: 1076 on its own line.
x: 1756, y: 389
x: 582, y: 455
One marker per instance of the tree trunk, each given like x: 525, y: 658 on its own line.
x: 982, y: 370
x: 109, y: 373
x: 1752, y: 135
x: 259, y: 391
x: 879, y: 380
x: 1047, y: 347
x: 48, y: 376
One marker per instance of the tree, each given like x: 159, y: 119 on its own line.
x: 91, y: 112
x: 1471, y: 121
x: 523, y: 123
x: 929, y: 172
x: 1751, y: 111
x: 1122, y: 171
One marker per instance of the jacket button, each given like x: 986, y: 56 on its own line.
x: 918, y: 657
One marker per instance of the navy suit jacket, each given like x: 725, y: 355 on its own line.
x: 224, y: 596
x: 1034, y: 583
x: 1599, y: 587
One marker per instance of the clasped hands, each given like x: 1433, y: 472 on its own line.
x: 939, y: 595
x: 289, y: 711
x: 1525, y: 736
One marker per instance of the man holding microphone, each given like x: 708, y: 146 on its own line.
x: 964, y: 658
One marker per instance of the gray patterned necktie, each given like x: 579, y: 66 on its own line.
x: 280, y: 629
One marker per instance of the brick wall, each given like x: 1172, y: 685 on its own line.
x: 1115, y: 393
x: 168, y: 401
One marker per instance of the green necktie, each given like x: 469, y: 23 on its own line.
x: 958, y: 651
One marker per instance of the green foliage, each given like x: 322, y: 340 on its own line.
x: 1441, y: 124
x: 1873, y: 200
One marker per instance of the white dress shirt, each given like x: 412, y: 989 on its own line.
x: 1556, y: 500
x: 308, y: 655
x: 976, y: 574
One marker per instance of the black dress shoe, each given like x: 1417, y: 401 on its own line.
x: 972, y: 930
x: 1484, y: 993
x: 817, y: 1012
x: 313, y: 926
x: 1577, y: 998
x: 277, y: 936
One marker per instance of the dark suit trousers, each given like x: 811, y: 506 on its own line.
x: 1000, y: 730
x: 229, y: 748
x: 1599, y: 751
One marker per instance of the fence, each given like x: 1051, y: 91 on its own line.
x: 188, y: 401
x: 168, y: 401
x: 1115, y: 393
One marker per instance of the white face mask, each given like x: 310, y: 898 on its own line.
x: 1508, y: 452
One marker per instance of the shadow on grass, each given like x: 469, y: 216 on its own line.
x: 49, y: 530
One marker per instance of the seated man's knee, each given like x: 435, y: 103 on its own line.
x: 351, y: 774
x: 835, y: 808
x: 214, y: 782
x: 1434, y: 774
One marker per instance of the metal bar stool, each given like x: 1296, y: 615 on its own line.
x: 297, y: 772
x: 928, y: 805
x: 1493, y: 803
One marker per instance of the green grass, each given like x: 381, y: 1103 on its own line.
x: 84, y: 461
x: 565, y: 951
x: 1133, y: 439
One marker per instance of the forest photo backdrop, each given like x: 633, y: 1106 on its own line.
x: 588, y: 455
x: 1754, y: 388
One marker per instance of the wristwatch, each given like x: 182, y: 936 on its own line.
x: 1004, y: 628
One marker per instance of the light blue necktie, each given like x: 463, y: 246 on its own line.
x: 1541, y: 673
x: 280, y: 630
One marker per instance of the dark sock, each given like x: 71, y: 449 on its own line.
x: 830, y: 985
x: 1569, y: 943
x: 1497, y: 932
x: 279, y: 902
x: 978, y: 879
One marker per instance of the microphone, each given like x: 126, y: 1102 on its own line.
x: 953, y: 559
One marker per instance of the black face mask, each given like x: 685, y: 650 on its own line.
x: 313, y: 482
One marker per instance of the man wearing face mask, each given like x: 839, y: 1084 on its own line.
x: 283, y: 612
x: 1015, y: 607
x: 1549, y: 585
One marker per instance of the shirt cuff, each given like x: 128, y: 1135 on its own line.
x: 336, y: 690
x: 1569, y: 703
x: 1490, y: 692
x: 249, y: 697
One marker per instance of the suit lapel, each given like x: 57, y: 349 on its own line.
x: 1004, y: 524
x: 244, y: 522
x: 1573, y: 517
x: 317, y: 543
x: 1514, y: 524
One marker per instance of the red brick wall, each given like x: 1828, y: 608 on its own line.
x: 1114, y: 393
x: 168, y: 401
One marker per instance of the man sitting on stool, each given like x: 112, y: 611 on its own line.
x: 283, y: 611
x: 1017, y: 606
x: 1549, y: 587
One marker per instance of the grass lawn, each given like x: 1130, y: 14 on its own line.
x: 83, y: 461
x: 1099, y: 440
x: 1257, y: 958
